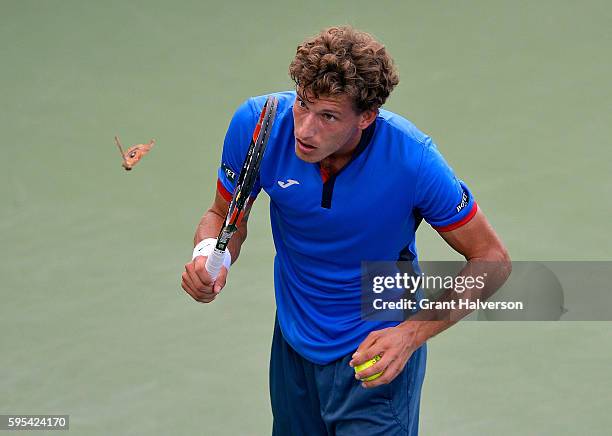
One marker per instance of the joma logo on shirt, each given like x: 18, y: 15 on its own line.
x: 288, y: 183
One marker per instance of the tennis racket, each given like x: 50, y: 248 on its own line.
x: 244, y: 186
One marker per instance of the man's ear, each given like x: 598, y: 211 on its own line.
x: 367, y: 117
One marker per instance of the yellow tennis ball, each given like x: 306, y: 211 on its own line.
x: 367, y: 364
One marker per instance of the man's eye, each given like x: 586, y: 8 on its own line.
x: 301, y: 103
x: 329, y: 117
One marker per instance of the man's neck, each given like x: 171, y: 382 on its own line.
x: 336, y: 161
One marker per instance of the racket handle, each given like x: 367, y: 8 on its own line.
x: 214, y: 263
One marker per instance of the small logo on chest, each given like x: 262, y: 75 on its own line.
x: 288, y: 183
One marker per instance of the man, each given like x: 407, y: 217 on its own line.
x: 348, y: 182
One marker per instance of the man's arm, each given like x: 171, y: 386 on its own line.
x: 477, y: 242
x: 213, y: 220
x: 195, y: 280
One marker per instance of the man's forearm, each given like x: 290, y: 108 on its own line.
x: 424, y: 325
x: 421, y: 331
x: 210, y: 226
x: 429, y: 322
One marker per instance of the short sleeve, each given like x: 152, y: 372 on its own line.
x: 443, y: 200
x: 235, y: 147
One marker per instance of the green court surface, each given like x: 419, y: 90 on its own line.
x: 93, y: 321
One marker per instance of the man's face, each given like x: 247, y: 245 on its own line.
x: 326, y: 126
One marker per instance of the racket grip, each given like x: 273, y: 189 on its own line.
x: 214, y: 262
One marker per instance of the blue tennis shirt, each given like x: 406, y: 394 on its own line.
x: 324, y: 227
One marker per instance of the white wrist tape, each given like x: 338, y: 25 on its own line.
x: 206, y: 246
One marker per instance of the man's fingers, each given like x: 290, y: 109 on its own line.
x: 194, y: 293
x: 197, y: 282
x: 197, y: 296
x: 199, y: 264
x: 187, y: 286
x: 365, y: 352
x: 221, y: 280
x: 380, y: 366
x: 387, y: 376
x: 197, y: 293
x: 190, y: 269
x: 187, y: 280
x: 375, y: 349
x: 207, y: 299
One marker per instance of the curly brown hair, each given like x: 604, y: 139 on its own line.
x: 343, y: 60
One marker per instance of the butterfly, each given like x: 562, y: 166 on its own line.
x: 134, y: 153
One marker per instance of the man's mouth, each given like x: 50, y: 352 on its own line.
x: 304, y: 146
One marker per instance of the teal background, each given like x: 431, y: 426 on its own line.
x: 93, y: 320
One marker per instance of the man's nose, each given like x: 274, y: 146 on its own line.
x: 305, y: 127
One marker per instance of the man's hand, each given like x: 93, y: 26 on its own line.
x: 197, y: 282
x: 394, y: 344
